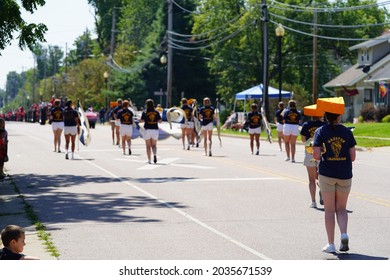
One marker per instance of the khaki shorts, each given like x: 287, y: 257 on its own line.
x: 309, y: 161
x: 328, y: 184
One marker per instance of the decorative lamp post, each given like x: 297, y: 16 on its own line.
x: 279, y: 31
x: 163, y: 59
x: 106, y: 76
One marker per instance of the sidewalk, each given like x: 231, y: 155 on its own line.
x: 12, y: 212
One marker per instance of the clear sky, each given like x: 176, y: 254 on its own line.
x: 65, y: 19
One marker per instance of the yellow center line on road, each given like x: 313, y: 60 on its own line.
x: 361, y: 196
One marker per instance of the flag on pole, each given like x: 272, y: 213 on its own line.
x: 85, y: 135
x: 383, y: 89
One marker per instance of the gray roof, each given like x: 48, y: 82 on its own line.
x: 347, y: 78
x: 382, y: 74
x: 354, y: 74
x: 371, y: 43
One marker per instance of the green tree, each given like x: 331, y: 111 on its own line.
x: 11, y: 21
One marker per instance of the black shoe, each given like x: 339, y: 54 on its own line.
x: 66, y: 156
x: 59, y: 151
x: 344, y: 244
x: 321, y: 200
x: 210, y: 154
x: 197, y: 145
x: 129, y: 151
x: 155, y: 159
x: 257, y: 153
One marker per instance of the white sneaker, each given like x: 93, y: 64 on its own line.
x: 313, y: 205
x: 329, y: 248
x: 287, y: 159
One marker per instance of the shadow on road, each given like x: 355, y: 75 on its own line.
x: 50, y: 200
x: 353, y: 256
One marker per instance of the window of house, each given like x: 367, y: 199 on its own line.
x: 368, y: 95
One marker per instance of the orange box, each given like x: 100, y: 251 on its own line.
x: 333, y: 105
x: 313, y: 111
x: 113, y: 104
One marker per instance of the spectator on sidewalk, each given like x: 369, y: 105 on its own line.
x: 3, y: 147
x: 13, y: 238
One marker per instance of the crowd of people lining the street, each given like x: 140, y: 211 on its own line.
x: 329, y: 149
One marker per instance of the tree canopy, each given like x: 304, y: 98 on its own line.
x: 217, y: 48
x: 11, y: 21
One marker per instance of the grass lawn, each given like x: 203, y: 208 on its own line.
x: 366, y: 134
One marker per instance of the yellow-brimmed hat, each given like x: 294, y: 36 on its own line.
x: 312, y: 111
x: 334, y: 105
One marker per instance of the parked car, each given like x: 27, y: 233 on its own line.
x: 92, y: 118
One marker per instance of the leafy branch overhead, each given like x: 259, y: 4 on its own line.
x: 11, y: 21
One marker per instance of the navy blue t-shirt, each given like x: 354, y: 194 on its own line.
x: 70, y: 117
x: 188, y: 110
x: 207, y: 113
x: 151, y: 119
x: 254, y: 119
x: 57, y: 114
x: 336, y: 161
x: 308, y: 128
x: 291, y: 116
x: 125, y: 116
x: 279, y: 116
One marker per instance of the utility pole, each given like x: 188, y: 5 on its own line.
x: 112, y: 45
x: 265, y: 60
x: 315, y: 20
x: 169, y: 66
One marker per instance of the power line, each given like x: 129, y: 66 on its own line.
x: 184, y: 9
x: 298, y: 8
x: 235, y: 33
x: 328, y: 25
x: 210, y: 31
x: 324, y: 37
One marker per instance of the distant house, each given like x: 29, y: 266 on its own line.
x: 363, y: 84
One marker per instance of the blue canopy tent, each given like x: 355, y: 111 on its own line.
x: 256, y: 92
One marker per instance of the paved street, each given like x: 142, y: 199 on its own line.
x: 231, y: 206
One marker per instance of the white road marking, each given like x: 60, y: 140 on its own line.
x: 163, y: 162
x: 231, y: 179
x: 182, y: 213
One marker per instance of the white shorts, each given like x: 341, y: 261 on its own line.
x: 72, y: 130
x: 117, y: 122
x: 279, y: 127
x: 126, y: 130
x: 210, y: 126
x: 290, y: 129
x: 151, y: 134
x: 254, y: 130
x: 189, y: 125
x: 57, y: 125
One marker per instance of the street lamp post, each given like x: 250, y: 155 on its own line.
x: 279, y: 31
x: 164, y: 60
x: 106, y: 76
